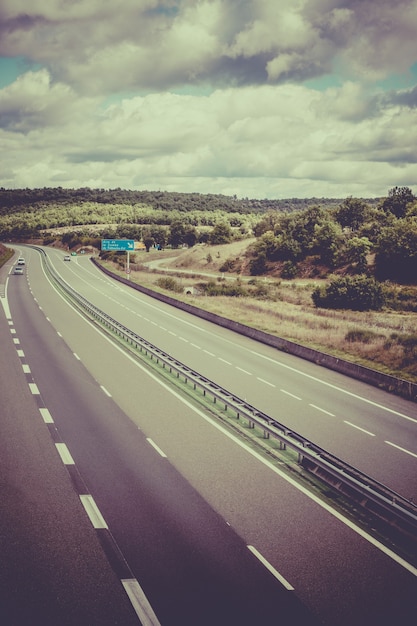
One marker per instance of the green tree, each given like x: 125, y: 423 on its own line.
x: 396, y: 252
x: 356, y: 251
x: 221, y: 233
x: 358, y: 293
x: 398, y: 200
x: 352, y: 213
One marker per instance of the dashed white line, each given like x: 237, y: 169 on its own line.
x: 13, y: 331
x: 266, y: 382
x: 76, y: 356
x: 59, y: 334
x: 288, y: 393
x: 157, y: 448
x: 140, y: 602
x: 105, y: 391
x: 318, y: 408
x: 47, y: 417
x: 208, y: 352
x: 271, y: 568
x: 196, y: 346
x: 172, y: 333
x: 394, y: 445
x: 20, y: 353
x: 16, y: 341
x: 359, y: 428
x: 183, y: 339
x: 93, y: 511
x: 244, y: 371
x: 224, y: 360
x: 26, y: 368
x: 65, y: 454
x: 34, y: 389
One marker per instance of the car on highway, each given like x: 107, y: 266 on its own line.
x: 18, y: 269
x: 21, y: 261
x: 67, y: 257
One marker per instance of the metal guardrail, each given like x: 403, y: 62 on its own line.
x: 393, y: 508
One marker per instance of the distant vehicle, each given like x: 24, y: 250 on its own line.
x: 18, y: 269
x: 21, y: 261
x: 67, y: 257
x: 75, y: 254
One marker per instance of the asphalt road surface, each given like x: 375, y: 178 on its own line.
x: 204, y: 530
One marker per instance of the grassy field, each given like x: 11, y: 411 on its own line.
x: 383, y: 340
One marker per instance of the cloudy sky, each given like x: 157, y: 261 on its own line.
x: 258, y: 98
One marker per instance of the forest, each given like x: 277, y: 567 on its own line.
x: 371, y: 239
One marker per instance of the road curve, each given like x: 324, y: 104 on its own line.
x: 143, y: 447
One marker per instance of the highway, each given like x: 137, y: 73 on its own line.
x: 207, y: 530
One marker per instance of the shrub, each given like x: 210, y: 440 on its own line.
x: 358, y: 293
x: 169, y: 283
x: 360, y: 335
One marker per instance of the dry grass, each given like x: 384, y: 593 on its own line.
x: 289, y: 311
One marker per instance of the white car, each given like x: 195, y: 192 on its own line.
x: 18, y: 269
x: 67, y: 257
x: 21, y: 261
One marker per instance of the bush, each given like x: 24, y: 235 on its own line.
x: 358, y: 293
x: 169, y: 283
x: 362, y: 336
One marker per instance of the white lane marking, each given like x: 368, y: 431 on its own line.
x: 65, y: 454
x: 183, y: 339
x: 265, y: 381
x: 157, y: 448
x: 93, y: 511
x: 322, y: 410
x: 400, y: 448
x: 208, y: 352
x: 288, y: 393
x: 13, y: 331
x: 244, y: 371
x: 196, y: 346
x: 140, y: 602
x: 326, y: 507
x: 47, y: 417
x: 172, y: 333
x: 20, y: 353
x: 76, y: 356
x: 16, y: 341
x: 26, y: 368
x: 34, y: 389
x: 224, y: 360
x: 58, y: 333
x: 359, y: 428
x: 335, y: 387
x: 271, y: 568
x: 105, y: 391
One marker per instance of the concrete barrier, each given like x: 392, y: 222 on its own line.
x: 367, y: 375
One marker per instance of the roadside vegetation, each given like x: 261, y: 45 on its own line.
x: 339, y: 276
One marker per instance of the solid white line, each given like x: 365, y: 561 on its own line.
x: 271, y: 568
x: 402, y: 449
x: 93, y: 511
x: 322, y: 410
x: 26, y: 368
x: 288, y: 393
x: 359, y: 428
x: 265, y: 381
x: 157, y: 448
x: 140, y: 602
x: 347, y: 522
x: 105, y: 391
x: 65, y: 454
x: 47, y: 417
x: 34, y: 389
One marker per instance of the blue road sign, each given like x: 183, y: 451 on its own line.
x: 117, y: 244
